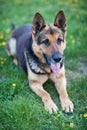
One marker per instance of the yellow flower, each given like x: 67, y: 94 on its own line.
x: 72, y: 125
x: 14, y: 85
x: 85, y: 115
x: 2, y: 62
x: 3, y: 43
x: 58, y: 115
x: 1, y: 58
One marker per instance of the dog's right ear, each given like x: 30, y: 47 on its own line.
x: 38, y: 24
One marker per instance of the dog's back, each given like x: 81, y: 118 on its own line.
x: 21, y: 38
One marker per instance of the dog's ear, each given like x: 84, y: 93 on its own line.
x: 38, y: 23
x: 60, y: 21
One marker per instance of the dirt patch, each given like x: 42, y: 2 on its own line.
x: 73, y: 74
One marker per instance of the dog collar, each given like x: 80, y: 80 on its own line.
x: 34, y: 64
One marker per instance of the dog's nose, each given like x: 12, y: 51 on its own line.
x: 57, y: 57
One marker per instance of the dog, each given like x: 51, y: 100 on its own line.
x: 39, y: 50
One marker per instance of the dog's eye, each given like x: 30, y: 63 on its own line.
x: 46, y: 42
x: 59, y: 40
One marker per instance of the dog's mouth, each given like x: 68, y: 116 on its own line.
x: 55, y: 67
x: 55, y: 62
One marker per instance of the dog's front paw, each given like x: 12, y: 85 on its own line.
x: 67, y: 105
x: 50, y: 106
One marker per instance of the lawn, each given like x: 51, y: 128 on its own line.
x: 20, y: 108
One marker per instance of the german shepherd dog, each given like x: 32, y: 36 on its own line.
x: 38, y: 49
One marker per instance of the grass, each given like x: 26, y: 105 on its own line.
x: 20, y: 108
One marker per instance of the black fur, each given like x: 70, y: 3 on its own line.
x: 23, y: 37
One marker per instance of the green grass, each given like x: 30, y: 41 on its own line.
x: 20, y: 108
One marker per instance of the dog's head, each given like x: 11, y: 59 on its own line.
x: 49, y: 40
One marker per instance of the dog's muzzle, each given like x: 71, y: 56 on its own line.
x: 55, y: 62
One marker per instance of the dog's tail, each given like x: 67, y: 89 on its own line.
x: 12, y: 26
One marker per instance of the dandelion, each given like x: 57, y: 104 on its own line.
x: 72, y: 125
x: 85, y: 115
x: 58, y: 115
x: 3, y: 43
x: 2, y: 62
x: 14, y: 85
x: 1, y: 58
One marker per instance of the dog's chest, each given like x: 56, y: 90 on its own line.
x: 34, y: 63
x: 35, y: 66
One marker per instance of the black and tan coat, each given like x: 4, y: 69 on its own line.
x: 38, y: 49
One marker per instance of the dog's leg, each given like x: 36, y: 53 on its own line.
x: 35, y: 83
x: 66, y: 104
x: 60, y: 83
x: 15, y: 61
x: 48, y: 102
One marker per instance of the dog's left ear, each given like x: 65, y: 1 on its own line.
x: 60, y: 21
x: 38, y: 23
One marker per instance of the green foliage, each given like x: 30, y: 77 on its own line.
x: 20, y: 108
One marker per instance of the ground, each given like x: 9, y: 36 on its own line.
x: 20, y: 108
